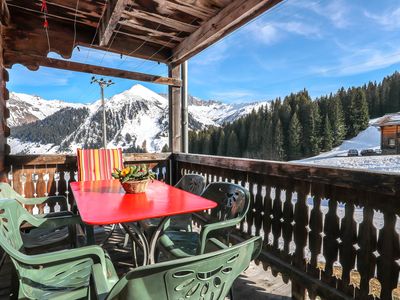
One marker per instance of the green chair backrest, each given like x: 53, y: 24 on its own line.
x: 207, y: 276
x: 192, y: 183
x: 38, y: 281
x: 11, y: 218
x: 7, y: 192
x: 233, y: 200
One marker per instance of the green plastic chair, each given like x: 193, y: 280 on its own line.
x: 192, y: 183
x: 207, y: 276
x: 61, y: 274
x: 43, y: 238
x: 233, y: 203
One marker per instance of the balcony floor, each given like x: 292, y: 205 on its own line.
x: 254, y: 283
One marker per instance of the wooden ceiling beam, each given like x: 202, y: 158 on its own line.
x: 149, y: 39
x: 133, y: 24
x: 54, y: 7
x: 33, y: 62
x: 236, y: 14
x: 160, y: 19
x: 4, y: 13
x: 111, y: 17
x: 51, y: 15
x: 187, y: 8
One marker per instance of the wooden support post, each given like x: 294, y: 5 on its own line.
x: 175, y: 132
x: 174, y: 98
x: 4, y: 95
x: 185, y: 116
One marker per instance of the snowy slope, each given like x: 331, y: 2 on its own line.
x: 27, y: 108
x: 135, y: 117
x: 217, y: 113
x: 370, y: 138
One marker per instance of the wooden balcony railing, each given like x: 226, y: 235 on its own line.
x: 49, y: 175
x: 333, y: 232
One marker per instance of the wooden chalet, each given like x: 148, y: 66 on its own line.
x: 390, y: 134
x: 331, y: 233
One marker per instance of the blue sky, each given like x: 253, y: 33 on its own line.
x: 320, y: 45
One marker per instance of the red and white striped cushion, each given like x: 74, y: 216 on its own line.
x: 98, y: 164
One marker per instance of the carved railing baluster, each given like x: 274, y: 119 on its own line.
x: 56, y: 181
x: 314, y: 236
x: 389, y: 253
x: 287, y: 226
x: 164, y: 173
x: 367, y: 245
x: 348, y: 235
x: 258, y: 208
x: 10, y: 177
x: 46, y: 178
x: 267, y: 221
x: 67, y: 177
x: 35, y: 179
x: 277, y: 219
x: 300, y: 237
x: 22, y: 179
x: 331, y: 230
x: 250, y: 214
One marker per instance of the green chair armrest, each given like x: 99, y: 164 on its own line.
x: 206, y: 229
x: 95, y: 253
x: 103, y: 285
x: 217, y: 243
x: 55, y: 222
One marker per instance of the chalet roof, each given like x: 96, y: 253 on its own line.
x: 389, y: 120
x: 168, y: 31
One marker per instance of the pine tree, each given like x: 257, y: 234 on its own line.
x: 221, y: 149
x: 359, y: 117
x: 327, y: 137
x: 232, y: 147
x: 278, y: 153
x: 294, y: 138
x: 336, y: 117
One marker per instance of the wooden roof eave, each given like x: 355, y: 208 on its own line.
x: 233, y: 16
x: 165, y: 43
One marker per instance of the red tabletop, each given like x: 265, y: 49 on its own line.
x: 105, y: 202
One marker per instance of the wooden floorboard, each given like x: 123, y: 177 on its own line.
x: 254, y: 283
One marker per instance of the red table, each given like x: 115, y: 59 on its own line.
x: 105, y: 202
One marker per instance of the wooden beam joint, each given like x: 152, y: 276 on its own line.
x: 112, y: 15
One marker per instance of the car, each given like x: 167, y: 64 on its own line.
x: 352, y: 152
x: 368, y: 152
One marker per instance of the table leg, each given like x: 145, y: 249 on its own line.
x: 113, y: 226
x: 90, y: 234
x: 138, y: 237
x: 154, y: 239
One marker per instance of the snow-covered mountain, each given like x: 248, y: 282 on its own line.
x: 135, y: 118
x: 28, y: 108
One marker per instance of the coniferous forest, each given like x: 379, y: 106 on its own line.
x: 298, y: 126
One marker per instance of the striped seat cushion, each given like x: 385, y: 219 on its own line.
x: 98, y: 164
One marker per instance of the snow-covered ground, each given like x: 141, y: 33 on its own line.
x: 370, y: 138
